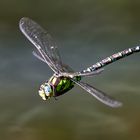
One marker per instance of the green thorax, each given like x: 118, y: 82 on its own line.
x: 62, y: 84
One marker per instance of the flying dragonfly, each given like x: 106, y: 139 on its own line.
x: 64, y: 77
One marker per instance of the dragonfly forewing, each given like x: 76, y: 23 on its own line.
x: 43, y: 42
x: 47, y: 49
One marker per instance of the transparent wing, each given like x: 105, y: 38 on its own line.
x: 47, y: 49
x: 101, y: 96
x: 65, y: 67
x: 68, y: 71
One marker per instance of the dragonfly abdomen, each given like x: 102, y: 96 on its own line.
x: 112, y: 59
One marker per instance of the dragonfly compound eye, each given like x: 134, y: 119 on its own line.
x: 45, y: 91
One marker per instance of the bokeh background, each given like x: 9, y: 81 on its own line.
x: 86, y: 31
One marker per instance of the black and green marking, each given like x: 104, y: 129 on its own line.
x: 61, y: 85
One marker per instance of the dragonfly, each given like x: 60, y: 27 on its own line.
x: 64, y: 77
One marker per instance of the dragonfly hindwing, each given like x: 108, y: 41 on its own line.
x: 101, y: 96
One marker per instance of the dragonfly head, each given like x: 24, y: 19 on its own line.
x: 45, y: 91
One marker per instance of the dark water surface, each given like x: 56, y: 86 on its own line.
x: 86, y: 32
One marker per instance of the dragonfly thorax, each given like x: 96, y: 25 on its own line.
x: 45, y: 91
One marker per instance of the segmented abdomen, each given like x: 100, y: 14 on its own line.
x: 111, y: 59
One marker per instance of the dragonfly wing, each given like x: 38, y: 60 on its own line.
x: 66, y: 68
x: 101, y: 96
x: 47, y: 49
x: 38, y: 56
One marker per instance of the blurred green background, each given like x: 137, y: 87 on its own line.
x: 86, y: 31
